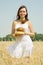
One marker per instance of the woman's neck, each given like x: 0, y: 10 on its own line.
x: 23, y: 20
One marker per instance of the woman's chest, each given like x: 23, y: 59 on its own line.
x: 25, y: 26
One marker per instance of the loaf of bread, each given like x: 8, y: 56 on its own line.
x: 18, y: 32
x: 20, y: 29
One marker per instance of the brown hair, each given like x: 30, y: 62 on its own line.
x: 18, y: 17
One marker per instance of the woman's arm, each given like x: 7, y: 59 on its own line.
x: 13, y: 29
x: 31, y: 33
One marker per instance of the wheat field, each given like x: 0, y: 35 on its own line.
x: 36, y: 58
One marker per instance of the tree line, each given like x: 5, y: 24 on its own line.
x: 37, y: 37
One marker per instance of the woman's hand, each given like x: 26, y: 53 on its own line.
x: 25, y: 33
x: 30, y: 34
x: 13, y: 34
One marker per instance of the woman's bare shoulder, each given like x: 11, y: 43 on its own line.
x: 14, y: 22
x: 29, y: 22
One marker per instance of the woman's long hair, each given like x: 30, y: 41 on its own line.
x: 18, y: 17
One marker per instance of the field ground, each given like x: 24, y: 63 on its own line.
x: 36, y: 58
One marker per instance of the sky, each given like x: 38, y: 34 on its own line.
x: 8, y: 12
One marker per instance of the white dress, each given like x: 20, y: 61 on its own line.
x: 23, y: 45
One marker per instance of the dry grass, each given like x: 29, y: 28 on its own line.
x: 36, y: 59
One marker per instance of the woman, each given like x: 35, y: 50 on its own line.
x: 23, y: 45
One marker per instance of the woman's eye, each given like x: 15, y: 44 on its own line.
x: 22, y: 11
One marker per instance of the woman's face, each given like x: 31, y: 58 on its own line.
x: 22, y: 13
